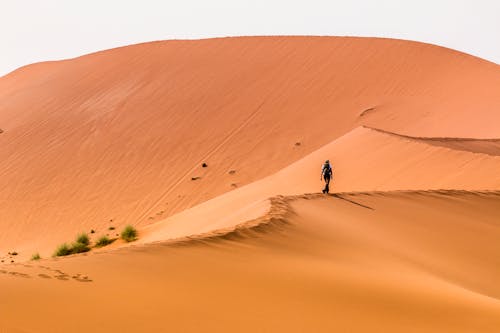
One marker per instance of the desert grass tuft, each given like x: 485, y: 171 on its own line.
x: 103, y: 241
x: 79, y: 248
x: 35, y: 256
x: 62, y: 250
x: 83, y: 238
x: 129, y: 234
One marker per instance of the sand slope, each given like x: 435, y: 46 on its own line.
x: 115, y: 137
x: 365, y: 160
x: 383, y: 262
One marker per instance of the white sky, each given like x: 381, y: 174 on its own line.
x: 38, y: 30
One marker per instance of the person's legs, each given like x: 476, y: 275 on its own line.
x: 327, y: 185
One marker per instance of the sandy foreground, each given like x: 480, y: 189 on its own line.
x: 378, y: 262
x: 407, y: 242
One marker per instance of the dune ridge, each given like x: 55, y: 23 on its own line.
x: 490, y: 146
x: 278, y: 214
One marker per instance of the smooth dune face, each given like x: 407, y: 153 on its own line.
x: 115, y: 137
x: 119, y: 137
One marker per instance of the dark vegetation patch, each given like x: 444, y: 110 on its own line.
x: 79, y: 246
x: 129, y: 234
x: 83, y: 239
x: 103, y: 241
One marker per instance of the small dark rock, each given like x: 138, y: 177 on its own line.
x: 204, y: 165
x: 92, y: 231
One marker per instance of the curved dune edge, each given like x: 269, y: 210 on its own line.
x: 37, y: 65
x: 273, y: 220
x: 488, y: 146
x: 277, y: 217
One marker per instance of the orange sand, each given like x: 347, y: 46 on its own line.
x: 411, y: 262
x: 116, y: 137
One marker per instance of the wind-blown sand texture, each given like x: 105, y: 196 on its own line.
x: 408, y: 241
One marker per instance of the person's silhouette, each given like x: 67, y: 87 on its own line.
x: 326, y: 174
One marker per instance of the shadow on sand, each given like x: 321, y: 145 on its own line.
x: 351, y: 201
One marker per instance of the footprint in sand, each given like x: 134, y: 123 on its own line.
x: 56, y: 273
x: 24, y: 275
x: 62, y: 277
x: 83, y: 279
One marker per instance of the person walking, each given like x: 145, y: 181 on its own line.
x: 326, y: 174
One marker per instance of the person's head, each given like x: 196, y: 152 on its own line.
x: 327, y: 162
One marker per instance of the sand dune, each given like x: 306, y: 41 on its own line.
x: 406, y: 243
x: 365, y: 160
x: 400, y: 261
x: 115, y: 137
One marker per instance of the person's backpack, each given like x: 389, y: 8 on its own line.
x: 327, y: 169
